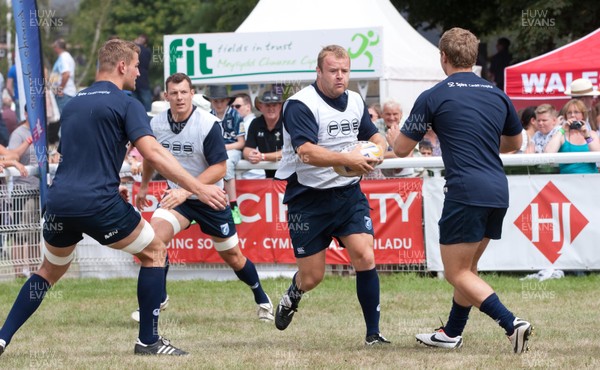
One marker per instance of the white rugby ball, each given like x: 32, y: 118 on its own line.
x: 367, y: 148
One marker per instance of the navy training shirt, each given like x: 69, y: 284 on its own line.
x: 469, y: 115
x: 96, y: 126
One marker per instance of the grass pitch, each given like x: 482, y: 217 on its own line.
x: 85, y: 324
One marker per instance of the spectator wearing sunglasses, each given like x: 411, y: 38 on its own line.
x: 243, y: 105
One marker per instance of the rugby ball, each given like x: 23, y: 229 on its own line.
x: 367, y: 148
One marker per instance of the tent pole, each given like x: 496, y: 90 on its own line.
x: 254, y: 90
x: 363, y: 87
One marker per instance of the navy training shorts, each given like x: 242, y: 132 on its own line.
x: 317, y: 216
x: 212, y: 222
x: 108, y: 226
x: 461, y: 223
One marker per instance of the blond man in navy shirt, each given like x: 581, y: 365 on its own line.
x: 84, y: 196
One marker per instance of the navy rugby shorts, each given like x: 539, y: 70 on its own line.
x: 108, y: 226
x: 317, y: 216
x: 212, y: 222
x: 461, y: 223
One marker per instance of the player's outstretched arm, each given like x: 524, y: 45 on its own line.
x: 403, y: 145
x: 210, y: 175
x: 164, y: 162
x: 213, y: 173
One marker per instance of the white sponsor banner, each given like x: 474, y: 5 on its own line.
x: 268, y: 57
x: 552, y: 222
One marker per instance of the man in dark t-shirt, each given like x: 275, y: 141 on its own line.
x: 84, y: 197
x: 474, y: 122
x: 143, y: 91
x: 265, y: 135
x: 500, y: 61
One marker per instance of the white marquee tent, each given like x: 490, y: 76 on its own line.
x: 410, y: 62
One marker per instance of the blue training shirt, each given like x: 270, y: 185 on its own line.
x: 96, y: 126
x: 232, y: 125
x: 469, y: 115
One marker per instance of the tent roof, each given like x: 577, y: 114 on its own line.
x: 406, y: 54
x: 549, y: 75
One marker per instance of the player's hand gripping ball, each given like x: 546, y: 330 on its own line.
x: 367, y: 149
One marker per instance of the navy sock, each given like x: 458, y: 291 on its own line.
x: 149, y: 290
x: 29, y: 299
x: 492, y: 307
x: 249, y: 276
x: 167, y: 264
x: 294, y: 292
x: 367, y: 290
x: 457, y: 319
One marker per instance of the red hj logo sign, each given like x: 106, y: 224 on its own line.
x: 551, y: 222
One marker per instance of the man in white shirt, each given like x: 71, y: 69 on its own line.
x: 63, y: 74
x: 392, y: 116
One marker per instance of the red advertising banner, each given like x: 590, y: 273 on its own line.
x: 397, y: 214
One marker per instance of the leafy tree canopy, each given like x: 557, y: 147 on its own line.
x: 98, y: 20
x: 533, y: 26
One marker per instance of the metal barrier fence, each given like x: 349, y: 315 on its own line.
x: 21, y: 228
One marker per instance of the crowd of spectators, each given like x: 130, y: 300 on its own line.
x: 255, y: 133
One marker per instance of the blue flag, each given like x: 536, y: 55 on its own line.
x: 32, y: 66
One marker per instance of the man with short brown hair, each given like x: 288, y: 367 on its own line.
x: 319, y: 121
x: 204, y: 156
x: 84, y: 196
x: 474, y: 122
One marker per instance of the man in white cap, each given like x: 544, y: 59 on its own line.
x: 158, y: 107
x: 583, y: 90
x: 200, y: 101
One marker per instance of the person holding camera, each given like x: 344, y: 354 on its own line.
x: 574, y: 136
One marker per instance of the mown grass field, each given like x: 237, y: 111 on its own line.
x: 85, y: 324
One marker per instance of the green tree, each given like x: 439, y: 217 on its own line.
x: 3, y: 28
x: 534, y: 26
x: 126, y: 19
x: 89, y: 25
